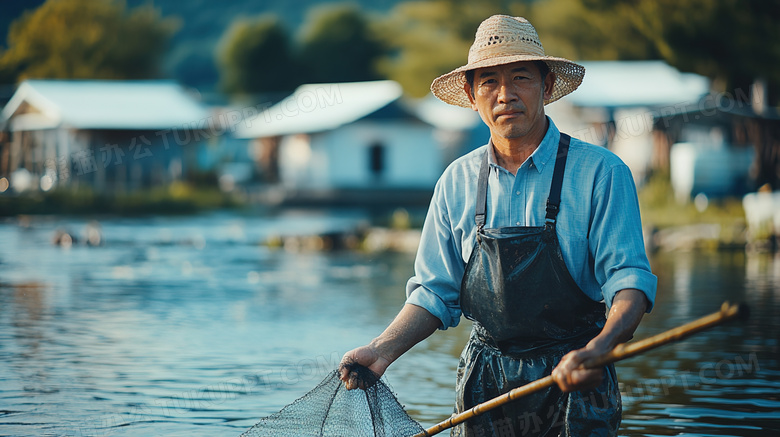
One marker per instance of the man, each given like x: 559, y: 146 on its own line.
x: 532, y: 237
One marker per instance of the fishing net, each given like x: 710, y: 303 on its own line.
x: 330, y: 410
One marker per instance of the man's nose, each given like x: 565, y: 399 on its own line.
x: 507, y: 93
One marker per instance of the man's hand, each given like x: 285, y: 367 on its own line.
x: 367, y: 356
x: 627, y: 309
x: 570, y: 376
x: 412, y: 325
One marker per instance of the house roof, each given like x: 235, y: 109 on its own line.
x: 320, y: 107
x: 636, y: 83
x: 444, y: 116
x: 103, y: 104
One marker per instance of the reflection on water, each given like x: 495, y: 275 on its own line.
x: 190, y: 326
x: 721, y: 382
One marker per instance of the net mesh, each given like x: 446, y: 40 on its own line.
x: 330, y: 410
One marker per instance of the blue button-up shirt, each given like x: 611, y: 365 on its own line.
x: 599, y: 227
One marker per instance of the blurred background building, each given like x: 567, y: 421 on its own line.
x: 194, y: 92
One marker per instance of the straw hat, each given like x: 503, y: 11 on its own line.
x: 500, y: 40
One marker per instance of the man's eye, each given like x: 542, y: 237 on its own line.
x: 521, y: 77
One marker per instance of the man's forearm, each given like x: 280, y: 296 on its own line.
x: 412, y: 325
x: 627, y: 309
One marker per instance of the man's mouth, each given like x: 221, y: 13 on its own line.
x: 507, y: 114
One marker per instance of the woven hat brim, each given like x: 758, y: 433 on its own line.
x: 449, y: 87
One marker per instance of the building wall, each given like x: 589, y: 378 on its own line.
x: 365, y: 154
x: 107, y: 161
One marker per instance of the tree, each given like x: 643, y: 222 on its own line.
x: 80, y: 39
x: 192, y: 63
x: 254, y: 56
x: 427, y: 39
x: 338, y: 44
x: 733, y: 42
x: 573, y: 30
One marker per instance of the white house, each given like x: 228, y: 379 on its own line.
x: 619, y: 102
x: 349, y: 137
x: 108, y: 135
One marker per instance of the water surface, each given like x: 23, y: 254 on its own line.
x: 191, y: 326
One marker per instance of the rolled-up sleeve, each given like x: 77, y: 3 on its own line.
x: 438, y: 267
x: 616, y: 241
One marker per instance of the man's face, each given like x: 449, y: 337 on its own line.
x: 510, y: 98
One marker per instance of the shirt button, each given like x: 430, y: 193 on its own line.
x: 517, y: 224
x: 517, y: 192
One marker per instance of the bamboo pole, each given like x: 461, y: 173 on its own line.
x: 621, y: 352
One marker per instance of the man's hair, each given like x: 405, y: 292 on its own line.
x: 544, y: 70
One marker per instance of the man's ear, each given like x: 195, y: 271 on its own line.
x: 549, y: 84
x: 467, y: 90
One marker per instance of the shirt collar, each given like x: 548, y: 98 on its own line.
x: 542, y: 155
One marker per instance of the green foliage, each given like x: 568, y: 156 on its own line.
x: 338, y: 44
x: 75, y: 39
x: 657, y: 191
x: 430, y: 38
x: 570, y: 29
x: 193, y: 64
x: 731, y: 41
x: 255, y: 57
x: 660, y: 210
x: 177, y: 198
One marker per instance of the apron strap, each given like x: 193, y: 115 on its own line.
x: 553, y: 200
x: 484, y: 171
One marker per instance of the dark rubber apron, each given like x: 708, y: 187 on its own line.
x: 528, y: 312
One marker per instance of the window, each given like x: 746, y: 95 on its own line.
x: 376, y: 156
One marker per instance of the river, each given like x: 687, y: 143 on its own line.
x: 191, y: 326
